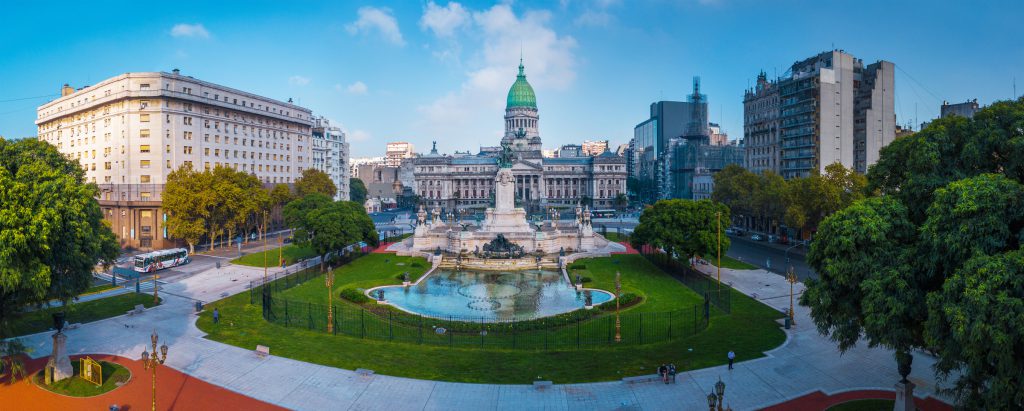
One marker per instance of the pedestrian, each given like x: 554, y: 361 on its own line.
x: 216, y: 317
x: 732, y: 356
x: 663, y: 372
x: 672, y: 372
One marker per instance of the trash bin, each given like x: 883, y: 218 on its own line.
x: 789, y: 321
x: 199, y: 306
x: 218, y: 265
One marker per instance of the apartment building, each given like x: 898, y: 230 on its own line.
x: 761, y: 126
x: 331, y: 154
x: 396, y: 152
x: 129, y: 131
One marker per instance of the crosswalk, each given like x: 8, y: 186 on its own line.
x: 146, y: 284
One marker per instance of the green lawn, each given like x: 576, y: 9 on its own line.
x: 89, y: 311
x: 616, y: 237
x: 79, y: 387
x: 749, y: 331
x: 98, y: 289
x: 291, y: 254
x: 864, y: 405
x: 729, y: 262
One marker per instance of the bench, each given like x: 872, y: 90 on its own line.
x: 641, y: 378
x: 262, y: 351
x: 364, y: 372
x: 137, y: 310
x: 540, y: 385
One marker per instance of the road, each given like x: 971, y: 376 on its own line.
x: 768, y: 257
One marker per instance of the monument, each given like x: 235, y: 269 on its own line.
x: 59, y: 365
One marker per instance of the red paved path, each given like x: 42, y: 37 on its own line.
x: 175, y: 391
x: 629, y: 249
x: 383, y: 249
x: 818, y: 401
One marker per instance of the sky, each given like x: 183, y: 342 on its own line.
x: 440, y: 71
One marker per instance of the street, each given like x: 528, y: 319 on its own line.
x: 769, y: 257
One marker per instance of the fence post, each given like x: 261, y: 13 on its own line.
x: 362, y: 323
x: 450, y: 332
x: 334, y: 319
x: 670, y: 325
x: 421, y: 329
x: 391, y: 332
x: 545, y: 340
x: 609, y: 330
x: 577, y: 332
x: 287, y: 319
x: 641, y: 328
x: 513, y: 334
x: 309, y: 314
x: 695, y: 319
x: 481, y: 331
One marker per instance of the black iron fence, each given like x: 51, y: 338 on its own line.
x: 718, y: 294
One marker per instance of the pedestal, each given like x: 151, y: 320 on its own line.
x: 59, y: 365
x: 904, y: 397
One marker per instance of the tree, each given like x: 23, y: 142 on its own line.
x: 939, y: 263
x: 185, y: 202
x: 280, y: 195
x: 296, y: 214
x: 315, y: 181
x: 52, y: 232
x: 327, y: 226
x: 357, y: 190
x: 621, y: 201
x: 682, y: 227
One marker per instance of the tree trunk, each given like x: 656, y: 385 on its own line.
x: 323, y: 262
x: 191, y: 248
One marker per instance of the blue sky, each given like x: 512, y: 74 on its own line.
x: 425, y: 71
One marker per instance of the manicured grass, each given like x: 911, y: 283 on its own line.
x: 291, y: 254
x: 76, y: 386
x: 364, y: 272
x: 616, y: 237
x: 863, y: 405
x: 729, y: 262
x: 659, y: 291
x: 89, y: 311
x: 98, y: 289
x: 749, y: 331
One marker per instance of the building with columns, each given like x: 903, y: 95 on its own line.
x: 130, y: 131
x: 466, y: 182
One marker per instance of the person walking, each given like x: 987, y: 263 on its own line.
x: 732, y: 357
x: 216, y: 316
x: 672, y: 372
x: 663, y: 372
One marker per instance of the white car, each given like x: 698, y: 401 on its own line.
x: 757, y: 237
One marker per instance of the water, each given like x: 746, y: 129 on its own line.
x: 491, y: 295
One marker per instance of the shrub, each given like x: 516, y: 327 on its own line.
x: 625, y: 300
x: 578, y: 266
x: 354, y: 295
x: 416, y: 264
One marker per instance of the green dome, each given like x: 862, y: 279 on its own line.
x: 521, y: 93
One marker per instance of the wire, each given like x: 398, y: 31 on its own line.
x: 28, y: 98
x: 919, y: 84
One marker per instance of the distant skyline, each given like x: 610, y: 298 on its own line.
x: 426, y: 71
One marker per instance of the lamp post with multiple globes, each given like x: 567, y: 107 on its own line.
x: 716, y: 400
x: 152, y: 362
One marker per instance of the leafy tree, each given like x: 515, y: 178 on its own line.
x: 682, y: 227
x: 621, y: 201
x: 184, y: 201
x: 281, y: 195
x: 357, y: 190
x: 52, y: 232
x: 936, y: 261
x: 326, y: 225
x: 296, y: 214
x: 315, y: 181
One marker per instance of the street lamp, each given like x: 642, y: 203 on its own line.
x: 618, y: 291
x: 791, y: 278
x: 712, y: 401
x: 152, y: 362
x: 720, y: 392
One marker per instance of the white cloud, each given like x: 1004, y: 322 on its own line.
x: 443, y: 21
x: 298, y: 80
x: 356, y: 88
x: 593, y: 18
x: 189, y: 30
x: 476, y: 107
x: 379, y: 20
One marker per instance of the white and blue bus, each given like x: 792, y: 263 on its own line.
x: 158, y: 260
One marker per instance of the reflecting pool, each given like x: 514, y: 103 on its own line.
x: 491, y: 295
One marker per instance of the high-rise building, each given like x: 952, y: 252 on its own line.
x: 716, y: 136
x: 593, y: 148
x: 129, y: 131
x: 833, y: 109
x: 965, y: 109
x: 570, y: 150
x: 761, y: 126
x: 330, y: 155
x: 651, y: 138
x: 396, y: 152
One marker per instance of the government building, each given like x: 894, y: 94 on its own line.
x: 130, y: 131
x: 466, y: 182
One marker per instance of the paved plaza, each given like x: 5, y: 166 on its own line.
x: 805, y: 363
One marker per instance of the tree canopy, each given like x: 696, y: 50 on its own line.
x: 934, y: 260
x: 357, y: 191
x: 213, y: 203
x: 315, y: 181
x: 684, y: 228
x: 326, y: 225
x: 52, y: 232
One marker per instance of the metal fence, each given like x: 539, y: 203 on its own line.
x: 720, y: 295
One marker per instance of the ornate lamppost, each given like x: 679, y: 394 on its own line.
x: 152, y: 362
x: 716, y: 400
x: 791, y: 278
x: 618, y: 290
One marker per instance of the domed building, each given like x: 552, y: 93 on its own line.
x: 464, y: 183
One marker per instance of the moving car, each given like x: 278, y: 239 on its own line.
x: 757, y: 237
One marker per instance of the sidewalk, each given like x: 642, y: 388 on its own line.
x: 806, y: 363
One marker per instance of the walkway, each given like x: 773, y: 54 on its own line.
x: 175, y: 391
x: 804, y: 364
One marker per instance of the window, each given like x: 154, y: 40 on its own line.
x: 187, y: 150
x: 144, y: 133
x: 168, y: 163
x: 143, y: 104
x: 106, y: 166
x: 143, y: 163
x: 145, y: 195
x: 144, y: 148
x: 168, y: 149
x: 144, y: 86
x: 144, y: 179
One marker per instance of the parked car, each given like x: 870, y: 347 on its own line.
x: 731, y: 231
x: 757, y: 237
x: 772, y: 238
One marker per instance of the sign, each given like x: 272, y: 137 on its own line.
x: 91, y: 371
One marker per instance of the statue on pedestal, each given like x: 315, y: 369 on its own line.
x: 59, y: 365
x: 421, y: 216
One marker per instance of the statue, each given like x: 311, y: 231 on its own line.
x: 59, y: 365
x: 505, y: 158
x: 501, y: 247
x: 421, y: 216
x: 586, y: 216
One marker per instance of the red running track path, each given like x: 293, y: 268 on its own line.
x: 174, y: 391
x: 818, y: 401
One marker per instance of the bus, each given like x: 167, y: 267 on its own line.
x: 602, y: 214
x: 158, y: 260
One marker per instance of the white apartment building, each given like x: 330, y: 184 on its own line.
x: 330, y: 155
x: 129, y: 131
x: 396, y: 152
x: 593, y: 148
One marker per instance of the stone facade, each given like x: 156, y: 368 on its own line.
x: 467, y: 181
